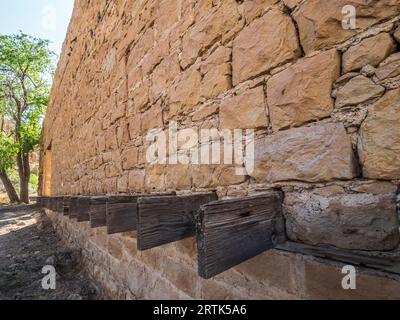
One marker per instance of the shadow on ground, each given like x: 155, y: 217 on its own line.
x: 27, y: 244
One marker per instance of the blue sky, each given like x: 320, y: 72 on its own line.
x: 46, y: 19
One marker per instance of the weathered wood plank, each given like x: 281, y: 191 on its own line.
x: 73, y: 207
x: 46, y: 203
x: 121, y: 214
x: 230, y: 232
x: 83, y: 208
x: 59, y: 205
x: 66, y: 205
x: 163, y: 220
x: 43, y: 202
x: 381, y: 261
x: 122, y: 211
x: 98, y: 211
x: 53, y: 204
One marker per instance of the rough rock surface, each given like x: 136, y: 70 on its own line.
x: 28, y: 243
x: 379, y: 143
x: 130, y: 66
x: 266, y: 43
x: 359, y: 89
x: 223, y: 22
x: 362, y: 221
x: 320, y: 24
x: 247, y: 110
x: 370, y: 51
x: 316, y: 153
x: 396, y: 34
x: 389, y: 68
x: 302, y: 92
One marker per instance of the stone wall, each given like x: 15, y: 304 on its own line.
x: 170, y: 271
x: 323, y: 100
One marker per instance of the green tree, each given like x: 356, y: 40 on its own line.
x: 8, y: 152
x: 26, y: 69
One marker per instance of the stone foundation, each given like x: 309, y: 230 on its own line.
x: 170, y: 272
x: 323, y: 101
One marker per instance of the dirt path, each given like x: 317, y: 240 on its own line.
x: 27, y: 244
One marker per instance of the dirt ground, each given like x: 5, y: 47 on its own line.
x: 27, y: 244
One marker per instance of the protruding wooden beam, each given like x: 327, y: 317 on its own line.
x: 230, y: 232
x: 98, y: 211
x: 83, y: 208
x: 73, y: 207
x: 53, y: 204
x: 122, y: 212
x: 66, y: 205
x: 163, y: 220
x: 46, y: 202
x: 59, y: 206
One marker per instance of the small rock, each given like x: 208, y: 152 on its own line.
x: 344, y: 220
x: 356, y: 91
x: 75, y: 297
x: 345, y: 78
x: 302, y: 92
x: 368, y: 70
x: 379, y: 142
x: 369, y: 51
x: 397, y: 34
x: 389, y: 68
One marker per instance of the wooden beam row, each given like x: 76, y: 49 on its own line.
x: 228, y: 232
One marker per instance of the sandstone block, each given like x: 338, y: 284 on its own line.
x: 152, y: 118
x: 167, y: 14
x: 291, y: 3
x: 205, y: 111
x: 122, y: 183
x: 320, y: 152
x: 134, y: 124
x: 359, y: 89
x: 202, y: 176
x: 245, y: 111
x: 379, y: 142
x: 346, y: 220
x: 252, y: 9
x: 178, y: 177
x: 370, y: 51
x: 155, y: 178
x: 217, y: 73
x: 186, y: 93
x: 302, y: 92
x: 222, y: 23
x: 226, y: 175
x: 129, y: 158
x: 163, y: 75
x: 323, y: 281
x: 140, y: 97
x: 212, y: 290
x: 266, y: 43
x: 180, y: 275
x: 389, y: 68
x: 278, y: 270
x: 319, y: 21
x: 397, y: 34
x: 136, y: 180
